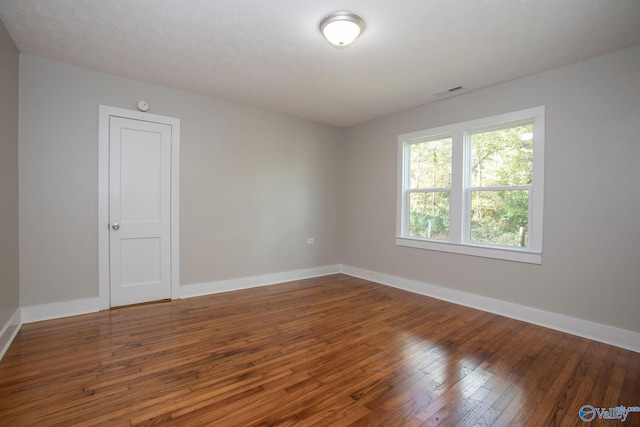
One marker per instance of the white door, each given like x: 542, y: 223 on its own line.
x: 139, y: 211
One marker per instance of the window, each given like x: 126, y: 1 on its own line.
x: 474, y: 188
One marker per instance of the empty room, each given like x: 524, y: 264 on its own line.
x: 356, y: 213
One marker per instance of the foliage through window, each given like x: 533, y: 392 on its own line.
x: 430, y: 185
x: 474, y: 187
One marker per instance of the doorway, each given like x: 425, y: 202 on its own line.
x: 138, y: 226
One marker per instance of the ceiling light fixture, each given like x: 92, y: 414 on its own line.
x: 341, y: 28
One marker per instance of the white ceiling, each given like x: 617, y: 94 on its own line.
x: 270, y: 54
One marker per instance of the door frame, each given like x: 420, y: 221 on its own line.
x: 104, y: 114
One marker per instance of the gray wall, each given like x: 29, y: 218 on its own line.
x: 591, y: 258
x: 254, y: 184
x: 9, y: 263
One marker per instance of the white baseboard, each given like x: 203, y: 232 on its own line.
x: 595, y: 331
x: 623, y: 338
x: 36, y: 313
x: 188, y: 291
x: 9, y: 332
x: 56, y: 310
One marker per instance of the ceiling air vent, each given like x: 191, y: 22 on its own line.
x: 448, y: 91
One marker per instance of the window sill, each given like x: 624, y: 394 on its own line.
x: 506, y: 254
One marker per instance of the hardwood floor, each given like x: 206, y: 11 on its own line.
x: 328, y: 351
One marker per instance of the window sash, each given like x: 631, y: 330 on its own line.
x: 460, y: 192
x: 408, y: 211
x: 469, y: 213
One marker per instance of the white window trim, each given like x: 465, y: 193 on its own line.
x: 458, y: 242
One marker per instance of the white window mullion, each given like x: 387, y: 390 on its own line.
x: 465, y: 173
x: 457, y: 185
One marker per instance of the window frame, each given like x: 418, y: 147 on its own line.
x: 461, y: 189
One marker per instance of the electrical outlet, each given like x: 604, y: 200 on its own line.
x: 310, y: 241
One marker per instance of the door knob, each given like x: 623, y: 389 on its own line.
x: 115, y: 226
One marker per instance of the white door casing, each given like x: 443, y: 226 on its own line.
x: 138, y: 226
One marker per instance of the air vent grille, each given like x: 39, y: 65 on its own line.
x: 448, y: 91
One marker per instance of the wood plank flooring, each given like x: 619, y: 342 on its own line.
x: 334, y: 351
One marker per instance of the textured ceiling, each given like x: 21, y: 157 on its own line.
x: 270, y: 54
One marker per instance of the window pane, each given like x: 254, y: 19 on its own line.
x: 500, y: 217
x: 430, y: 163
x: 429, y: 215
x: 502, y: 157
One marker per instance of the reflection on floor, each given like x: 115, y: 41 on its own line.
x: 333, y: 351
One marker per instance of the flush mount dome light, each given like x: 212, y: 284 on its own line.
x: 341, y: 28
